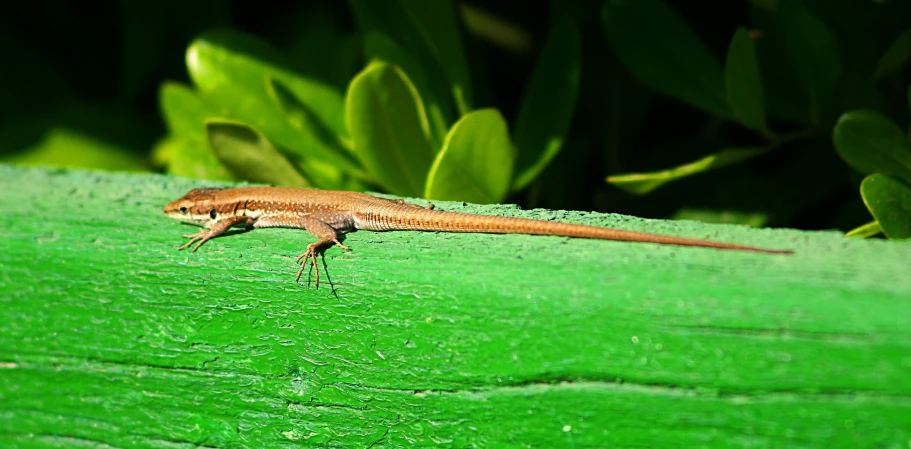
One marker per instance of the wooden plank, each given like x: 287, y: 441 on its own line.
x: 111, y: 336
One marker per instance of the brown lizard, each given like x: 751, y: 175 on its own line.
x: 327, y: 213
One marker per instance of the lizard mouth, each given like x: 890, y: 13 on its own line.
x: 187, y: 218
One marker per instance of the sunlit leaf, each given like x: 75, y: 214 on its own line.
x: 398, y: 21
x: 380, y: 47
x: 389, y: 129
x: 867, y: 230
x: 476, y: 162
x: 231, y: 70
x: 642, y: 183
x: 186, y: 152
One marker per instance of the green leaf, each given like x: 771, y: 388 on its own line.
x: 389, y: 129
x: 230, y: 70
x: 889, y: 201
x: 476, y: 162
x: 390, y: 18
x: 250, y: 156
x: 192, y: 159
x: 548, y: 103
x: 743, y: 82
x: 895, y: 57
x: 380, y: 47
x: 664, y: 53
x: 183, y: 110
x: 814, y: 53
x: 326, y: 146
x: 785, y: 98
x: 437, y: 25
x: 242, y: 60
x: 871, y: 143
x: 642, y: 183
x: 867, y: 230
x: 186, y: 152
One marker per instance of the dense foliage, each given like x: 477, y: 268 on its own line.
x: 787, y: 112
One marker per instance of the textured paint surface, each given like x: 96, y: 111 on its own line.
x: 109, y: 335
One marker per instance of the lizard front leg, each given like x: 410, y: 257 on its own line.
x: 217, y: 229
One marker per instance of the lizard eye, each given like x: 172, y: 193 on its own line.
x: 183, y: 209
x: 213, y: 214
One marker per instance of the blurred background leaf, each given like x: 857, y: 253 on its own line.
x: 814, y: 53
x: 871, y: 143
x: 438, y: 27
x: 76, y: 134
x: 249, y: 155
x: 895, y: 57
x: 662, y: 51
x: 743, y: 82
x: 549, y: 101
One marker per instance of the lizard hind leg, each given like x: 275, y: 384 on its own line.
x: 310, y: 256
x: 327, y: 236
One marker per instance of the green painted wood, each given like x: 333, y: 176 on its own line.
x: 108, y: 335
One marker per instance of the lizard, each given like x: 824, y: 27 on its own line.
x: 328, y: 213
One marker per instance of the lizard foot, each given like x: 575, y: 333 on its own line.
x: 310, y: 255
x: 202, y: 236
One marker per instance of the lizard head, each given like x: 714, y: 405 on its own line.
x: 196, y: 207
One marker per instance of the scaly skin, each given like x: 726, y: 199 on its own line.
x: 328, y: 213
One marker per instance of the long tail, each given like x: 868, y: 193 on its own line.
x: 415, y: 219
